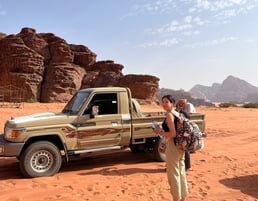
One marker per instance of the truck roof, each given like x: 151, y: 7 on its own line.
x: 104, y: 89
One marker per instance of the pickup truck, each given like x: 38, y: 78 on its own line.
x: 94, y: 120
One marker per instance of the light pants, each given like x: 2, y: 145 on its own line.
x: 176, y: 170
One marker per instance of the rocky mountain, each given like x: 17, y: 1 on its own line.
x: 180, y: 94
x: 232, y: 89
x: 44, y: 67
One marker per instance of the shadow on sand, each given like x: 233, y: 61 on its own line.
x: 246, y: 184
x: 106, y: 161
x: 9, y: 167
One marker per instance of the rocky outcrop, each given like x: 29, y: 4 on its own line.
x: 21, y: 66
x: 83, y: 56
x: 35, y: 42
x: 144, y: 87
x: 49, y: 69
x: 103, y: 73
x: 2, y: 35
x: 62, y: 80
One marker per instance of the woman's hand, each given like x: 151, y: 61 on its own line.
x: 158, y: 131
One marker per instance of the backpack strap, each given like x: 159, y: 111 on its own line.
x: 176, y: 113
x: 177, y: 118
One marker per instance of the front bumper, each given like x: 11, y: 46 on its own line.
x: 9, y: 148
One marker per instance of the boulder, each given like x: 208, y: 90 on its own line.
x: 83, y: 56
x: 103, y: 74
x: 143, y: 87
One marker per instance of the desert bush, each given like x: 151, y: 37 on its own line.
x: 250, y: 105
x: 32, y: 100
x: 225, y: 105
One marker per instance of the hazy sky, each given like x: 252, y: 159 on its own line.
x: 183, y: 42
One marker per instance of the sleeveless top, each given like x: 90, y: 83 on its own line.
x: 166, y: 128
x: 165, y: 125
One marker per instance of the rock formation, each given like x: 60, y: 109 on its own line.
x: 48, y: 69
x: 232, y: 89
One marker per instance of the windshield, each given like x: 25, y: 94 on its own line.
x: 75, y: 104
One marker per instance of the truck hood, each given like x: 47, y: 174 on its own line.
x: 47, y: 118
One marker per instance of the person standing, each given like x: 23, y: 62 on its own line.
x: 174, y: 156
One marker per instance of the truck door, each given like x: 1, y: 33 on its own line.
x: 104, y: 128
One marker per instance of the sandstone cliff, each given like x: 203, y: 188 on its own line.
x: 44, y: 67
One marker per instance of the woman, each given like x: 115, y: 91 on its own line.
x: 174, y: 156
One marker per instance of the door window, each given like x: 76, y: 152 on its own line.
x: 106, y: 103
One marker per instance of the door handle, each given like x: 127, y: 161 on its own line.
x: 114, y: 122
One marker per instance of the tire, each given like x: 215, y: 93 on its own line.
x: 137, y: 148
x: 157, y: 153
x: 40, y: 159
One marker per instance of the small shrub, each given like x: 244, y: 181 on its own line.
x: 32, y: 100
x: 226, y: 105
x: 250, y: 105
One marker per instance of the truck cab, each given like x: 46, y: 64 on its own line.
x: 103, y: 119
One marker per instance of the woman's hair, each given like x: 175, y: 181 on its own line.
x: 170, y: 98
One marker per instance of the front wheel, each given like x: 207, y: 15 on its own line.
x: 159, y: 149
x: 40, y: 159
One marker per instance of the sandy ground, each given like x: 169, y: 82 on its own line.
x: 226, y: 169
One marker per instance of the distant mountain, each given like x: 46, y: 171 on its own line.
x: 207, y: 93
x: 232, y: 89
x: 179, y: 94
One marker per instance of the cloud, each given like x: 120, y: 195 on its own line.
x: 198, y: 21
x: 157, y: 6
x: 161, y: 6
x: 202, y: 5
x: 214, y: 42
x: 213, y: 11
x: 190, y: 20
x: 222, y: 9
x: 163, y: 43
x: 188, y: 24
x: 191, y: 33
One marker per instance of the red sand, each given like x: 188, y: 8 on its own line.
x: 225, y: 170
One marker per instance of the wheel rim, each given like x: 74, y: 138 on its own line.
x: 163, y: 156
x: 162, y: 153
x: 42, y: 161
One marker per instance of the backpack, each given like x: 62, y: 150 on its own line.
x: 189, y: 137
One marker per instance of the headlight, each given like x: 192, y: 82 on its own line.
x: 11, y: 133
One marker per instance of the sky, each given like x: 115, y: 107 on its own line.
x: 182, y: 42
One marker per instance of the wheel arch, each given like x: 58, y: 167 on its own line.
x: 55, y: 139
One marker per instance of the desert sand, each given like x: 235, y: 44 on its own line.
x: 225, y: 170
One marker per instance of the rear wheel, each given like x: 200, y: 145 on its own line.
x: 137, y: 148
x: 40, y: 159
x: 159, y: 149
